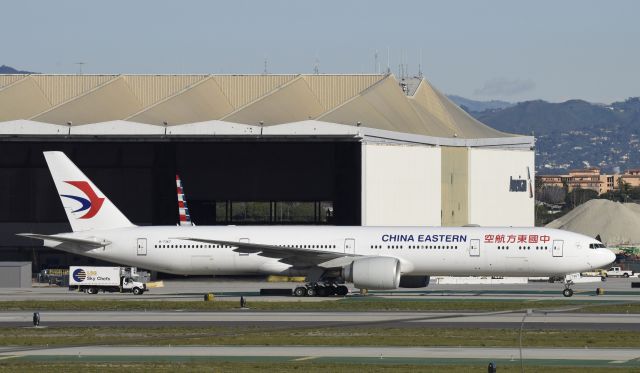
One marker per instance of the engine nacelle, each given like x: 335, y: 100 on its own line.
x: 381, y: 273
x: 413, y: 282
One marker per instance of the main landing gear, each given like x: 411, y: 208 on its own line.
x: 315, y: 289
x: 567, y: 292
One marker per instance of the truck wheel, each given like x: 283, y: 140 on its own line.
x: 92, y: 291
x: 626, y: 275
x: 300, y: 291
x: 138, y: 291
x: 567, y: 292
x: 311, y: 291
x: 342, y: 290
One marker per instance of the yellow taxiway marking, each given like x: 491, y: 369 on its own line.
x: 306, y: 358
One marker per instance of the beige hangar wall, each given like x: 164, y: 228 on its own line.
x: 491, y: 202
x: 400, y: 185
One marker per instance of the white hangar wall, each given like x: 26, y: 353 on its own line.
x: 400, y: 184
x: 500, y: 187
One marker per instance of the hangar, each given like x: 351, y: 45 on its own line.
x: 256, y: 149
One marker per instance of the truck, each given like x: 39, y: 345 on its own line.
x: 618, y: 272
x: 91, y: 280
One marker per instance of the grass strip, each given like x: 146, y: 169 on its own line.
x: 288, y: 367
x: 349, y: 304
x: 313, y: 336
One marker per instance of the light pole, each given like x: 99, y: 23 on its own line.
x: 527, y: 312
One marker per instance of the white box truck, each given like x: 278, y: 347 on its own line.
x: 106, y: 279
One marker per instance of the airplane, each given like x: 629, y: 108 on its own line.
x: 373, y: 258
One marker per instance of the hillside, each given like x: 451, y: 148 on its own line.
x: 473, y: 105
x: 575, y: 133
x: 4, y: 69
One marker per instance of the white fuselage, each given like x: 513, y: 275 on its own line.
x: 455, y: 251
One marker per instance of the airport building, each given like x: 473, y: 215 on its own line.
x: 256, y: 149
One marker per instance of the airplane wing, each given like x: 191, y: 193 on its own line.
x: 288, y: 255
x: 77, y: 241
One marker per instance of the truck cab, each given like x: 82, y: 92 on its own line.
x: 128, y: 284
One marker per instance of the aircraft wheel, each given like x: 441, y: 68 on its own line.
x: 311, y: 291
x: 300, y: 291
x: 342, y: 290
x: 567, y: 292
x: 323, y: 291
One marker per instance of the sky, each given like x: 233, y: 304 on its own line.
x: 508, y: 50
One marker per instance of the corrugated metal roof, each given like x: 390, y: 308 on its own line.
x: 290, y: 103
x: 111, y: 101
x: 6, y: 80
x: 198, y: 102
x: 151, y: 89
x: 241, y: 90
x: 377, y: 101
x: 23, y: 99
x: 333, y: 90
x: 61, y: 88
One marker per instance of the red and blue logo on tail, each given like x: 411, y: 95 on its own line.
x: 91, y: 204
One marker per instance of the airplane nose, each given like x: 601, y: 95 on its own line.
x: 608, y: 257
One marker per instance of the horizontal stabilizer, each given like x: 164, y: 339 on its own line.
x: 91, y: 243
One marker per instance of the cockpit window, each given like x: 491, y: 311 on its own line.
x: 597, y: 246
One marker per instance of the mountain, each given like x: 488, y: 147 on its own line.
x: 473, y: 105
x: 575, y: 133
x: 4, y: 69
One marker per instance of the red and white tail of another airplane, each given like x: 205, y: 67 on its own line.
x: 183, y: 210
x: 369, y: 257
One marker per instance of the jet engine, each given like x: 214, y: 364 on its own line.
x: 412, y: 282
x: 374, y: 273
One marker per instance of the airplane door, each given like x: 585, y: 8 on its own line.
x: 557, y: 248
x: 474, y: 248
x: 243, y: 240
x: 349, y: 246
x: 142, y: 246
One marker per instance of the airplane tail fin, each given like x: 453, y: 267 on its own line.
x: 183, y: 210
x: 86, y: 206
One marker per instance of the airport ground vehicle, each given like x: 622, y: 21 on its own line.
x: 106, y: 279
x: 602, y: 273
x: 618, y: 272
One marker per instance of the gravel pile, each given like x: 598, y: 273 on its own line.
x: 616, y: 223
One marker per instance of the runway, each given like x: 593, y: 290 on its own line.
x: 397, y: 355
x: 535, y: 320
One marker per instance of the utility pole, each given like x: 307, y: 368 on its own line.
x: 80, y: 66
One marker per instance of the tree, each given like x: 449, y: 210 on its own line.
x: 625, y: 189
x: 579, y: 196
x: 552, y: 194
